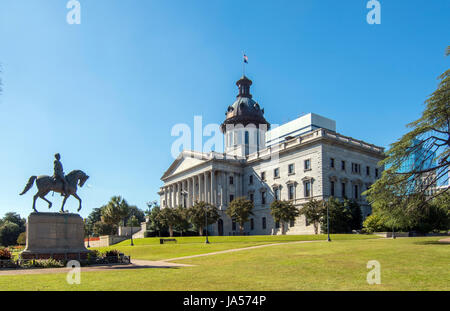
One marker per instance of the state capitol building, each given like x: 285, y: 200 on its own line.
x: 300, y: 160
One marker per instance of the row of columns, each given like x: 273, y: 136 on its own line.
x: 212, y: 186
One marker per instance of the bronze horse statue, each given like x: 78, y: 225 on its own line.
x: 45, y: 184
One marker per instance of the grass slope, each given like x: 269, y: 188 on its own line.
x: 406, y: 264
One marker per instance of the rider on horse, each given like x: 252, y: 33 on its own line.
x: 59, y: 173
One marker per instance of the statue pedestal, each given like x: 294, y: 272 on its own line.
x: 55, y: 235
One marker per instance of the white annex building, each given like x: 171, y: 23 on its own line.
x: 298, y: 161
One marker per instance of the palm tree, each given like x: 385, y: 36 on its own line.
x: 115, y: 211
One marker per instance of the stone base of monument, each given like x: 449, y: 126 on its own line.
x: 55, y: 235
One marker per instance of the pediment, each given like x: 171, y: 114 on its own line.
x: 183, y: 163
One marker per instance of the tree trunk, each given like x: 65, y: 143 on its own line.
x: 241, y: 228
x: 282, y: 228
x: 171, y: 231
x: 200, y: 231
x: 316, y: 228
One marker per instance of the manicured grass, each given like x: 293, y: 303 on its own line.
x: 150, y: 249
x: 406, y: 264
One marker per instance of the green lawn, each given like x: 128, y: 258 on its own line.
x: 150, y: 249
x: 406, y: 264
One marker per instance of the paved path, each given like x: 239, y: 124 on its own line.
x: 446, y: 240
x: 238, y: 250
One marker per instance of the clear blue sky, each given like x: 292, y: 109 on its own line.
x: 106, y: 93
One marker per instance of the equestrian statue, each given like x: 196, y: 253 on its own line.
x: 65, y: 185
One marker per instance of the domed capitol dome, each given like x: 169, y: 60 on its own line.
x: 244, y: 110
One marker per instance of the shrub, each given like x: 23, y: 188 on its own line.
x: 375, y: 223
x: 48, y: 263
x: 93, y: 255
x: 112, y: 253
x: 5, y: 254
x: 22, y: 239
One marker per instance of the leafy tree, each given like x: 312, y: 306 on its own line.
x: 22, y: 238
x: 183, y: 219
x: 169, y: 218
x: 403, y: 190
x: 134, y: 211
x: 375, y: 223
x: 154, y: 223
x: 240, y: 210
x: 283, y: 211
x: 355, y: 211
x: 313, y: 211
x: 133, y: 221
x: 102, y: 228
x: 9, y: 232
x: 196, y: 215
x: 340, y: 217
x: 115, y: 211
x: 15, y: 218
x: 94, y: 216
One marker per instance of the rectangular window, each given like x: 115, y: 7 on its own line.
x: 291, y: 192
x: 291, y: 223
x: 250, y: 179
x: 307, y: 189
x: 332, y: 188
x: 231, y: 198
x: 376, y: 173
x: 291, y: 169
x: 343, y: 165
x: 277, y: 224
x: 356, y: 168
x: 343, y: 190
x: 276, y: 193
x: 356, y: 192
x: 276, y: 173
x: 231, y: 180
x: 263, y: 176
x: 367, y: 170
x: 263, y: 197
x: 307, y: 164
x: 233, y: 224
x: 332, y: 163
x: 264, y: 224
x: 252, y: 224
x: 251, y: 197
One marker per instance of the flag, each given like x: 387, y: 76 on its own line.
x: 245, y: 59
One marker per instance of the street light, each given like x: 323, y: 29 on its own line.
x: 328, y: 225
x: 206, y: 224
x: 89, y: 233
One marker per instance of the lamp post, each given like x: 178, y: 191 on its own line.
x: 89, y: 234
x: 328, y: 225
x: 206, y: 224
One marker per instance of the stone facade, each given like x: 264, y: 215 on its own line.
x: 301, y: 165
x: 298, y: 161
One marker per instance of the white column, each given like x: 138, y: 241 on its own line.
x: 206, y: 186
x: 194, y: 189
x: 189, y: 196
x: 213, y: 188
x: 165, y: 196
